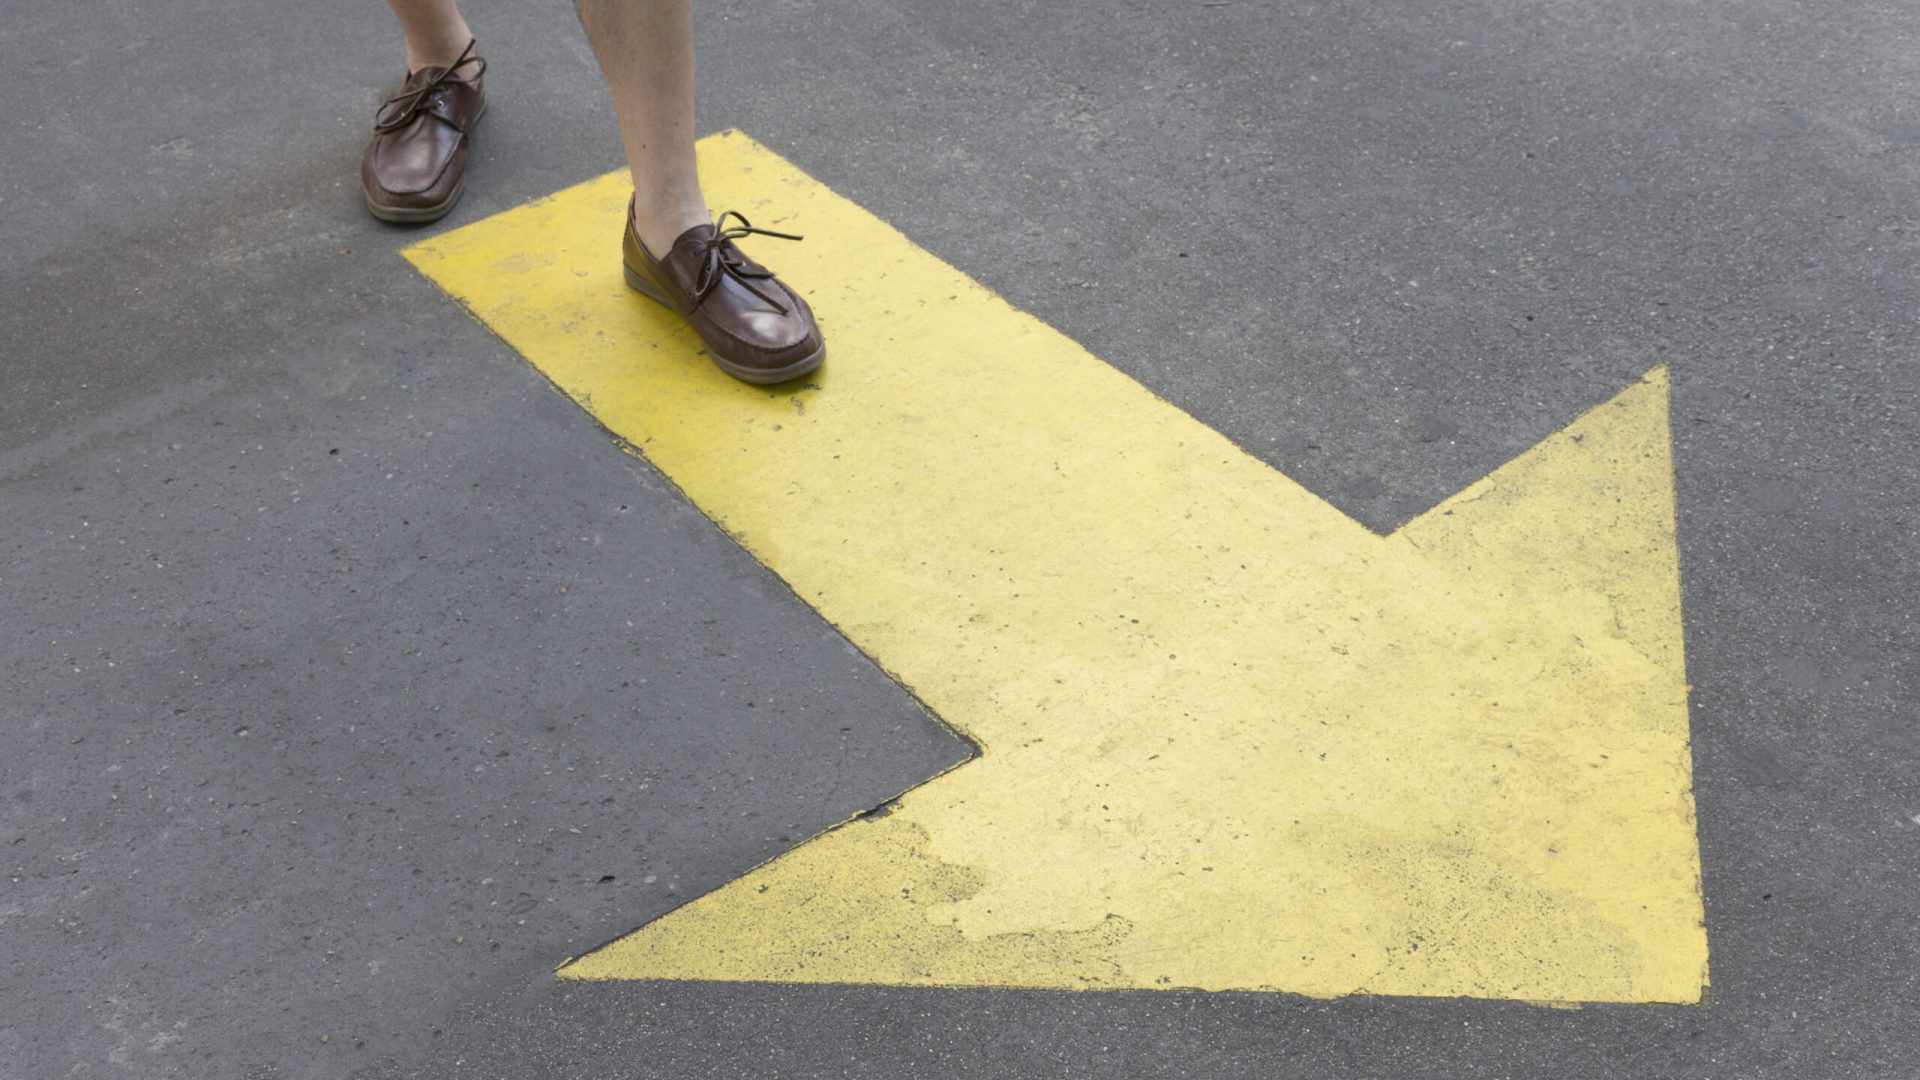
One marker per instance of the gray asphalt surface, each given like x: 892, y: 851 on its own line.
x: 352, y: 678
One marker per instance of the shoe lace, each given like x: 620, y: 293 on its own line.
x: 720, y: 259
x: 400, y: 109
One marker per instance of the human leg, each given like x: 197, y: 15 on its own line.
x: 645, y: 48
x: 434, y: 29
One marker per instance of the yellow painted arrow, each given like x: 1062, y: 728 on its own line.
x: 1229, y: 738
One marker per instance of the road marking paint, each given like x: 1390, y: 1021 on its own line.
x: 1230, y: 739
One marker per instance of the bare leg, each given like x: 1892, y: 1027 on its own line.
x: 646, y: 50
x: 435, y: 32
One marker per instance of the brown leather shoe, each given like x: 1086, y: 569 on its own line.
x: 755, y: 328
x: 416, y: 166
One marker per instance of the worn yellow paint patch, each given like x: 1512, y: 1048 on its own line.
x: 1229, y: 738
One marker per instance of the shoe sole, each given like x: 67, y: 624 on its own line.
x: 757, y: 376
x: 420, y: 215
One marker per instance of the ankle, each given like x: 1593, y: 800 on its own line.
x: 659, y: 226
x: 439, y: 48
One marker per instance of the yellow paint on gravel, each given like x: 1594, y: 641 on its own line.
x: 1229, y: 738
